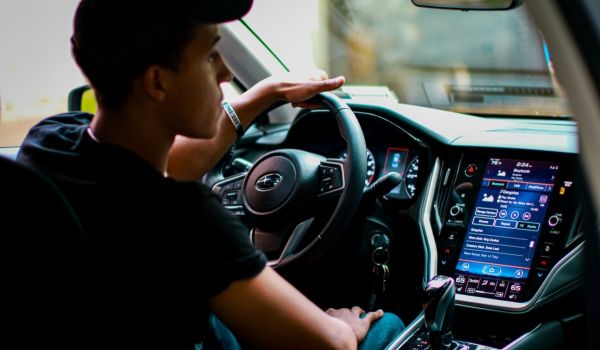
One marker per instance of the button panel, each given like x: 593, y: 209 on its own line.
x: 230, y: 193
x: 330, y: 178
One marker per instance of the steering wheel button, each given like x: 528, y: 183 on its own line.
x: 338, y: 177
x: 232, y: 195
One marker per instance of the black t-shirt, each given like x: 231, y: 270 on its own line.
x: 156, y: 250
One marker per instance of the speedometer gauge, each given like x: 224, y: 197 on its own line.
x: 370, y: 166
x: 412, y: 174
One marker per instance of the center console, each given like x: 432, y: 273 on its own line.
x: 505, y: 225
x: 505, y: 231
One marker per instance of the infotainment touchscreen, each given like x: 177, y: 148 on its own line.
x: 504, y: 227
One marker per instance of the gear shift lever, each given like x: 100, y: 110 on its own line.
x: 439, y: 311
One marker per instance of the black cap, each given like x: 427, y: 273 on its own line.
x: 112, y: 28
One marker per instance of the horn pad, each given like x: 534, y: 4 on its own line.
x: 270, y: 184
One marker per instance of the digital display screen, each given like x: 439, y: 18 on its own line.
x: 504, y: 227
x: 395, y: 161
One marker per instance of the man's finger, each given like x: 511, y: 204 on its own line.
x: 337, y: 81
x: 329, y: 84
x: 357, y: 311
x: 323, y: 74
x: 319, y: 75
x: 373, y: 316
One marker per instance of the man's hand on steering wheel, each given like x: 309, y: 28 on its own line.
x: 190, y: 159
x: 296, y: 89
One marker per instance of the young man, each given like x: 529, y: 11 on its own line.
x: 160, y: 255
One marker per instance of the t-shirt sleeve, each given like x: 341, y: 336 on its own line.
x: 50, y: 135
x: 224, y: 246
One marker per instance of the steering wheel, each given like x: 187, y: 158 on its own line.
x: 282, y: 188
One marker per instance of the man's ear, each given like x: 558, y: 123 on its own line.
x: 155, y: 83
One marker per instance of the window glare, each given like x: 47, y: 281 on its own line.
x: 36, y: 68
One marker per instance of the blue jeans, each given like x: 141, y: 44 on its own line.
x: 381, y: 333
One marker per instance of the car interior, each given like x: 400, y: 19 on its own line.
x: 477, y: 230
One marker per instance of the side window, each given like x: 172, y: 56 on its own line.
x: 36, y: 68
x: 230, y: 91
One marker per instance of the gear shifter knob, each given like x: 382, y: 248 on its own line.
x: 439, y: 311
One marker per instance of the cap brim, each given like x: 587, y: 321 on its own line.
x: 224, y: 10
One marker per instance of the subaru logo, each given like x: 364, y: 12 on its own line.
x: 268, y: 182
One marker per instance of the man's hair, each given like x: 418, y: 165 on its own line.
x: 115, y: 41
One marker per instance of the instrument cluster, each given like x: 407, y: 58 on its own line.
x: 389, y: 149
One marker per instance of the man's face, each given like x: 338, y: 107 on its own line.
x: 196, y: 95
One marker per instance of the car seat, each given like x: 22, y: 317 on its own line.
x: 40, y: 248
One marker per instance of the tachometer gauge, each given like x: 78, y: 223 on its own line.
x: 412, y: 174
x: 370, y: 166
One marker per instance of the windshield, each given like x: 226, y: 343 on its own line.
x: 487, y: 63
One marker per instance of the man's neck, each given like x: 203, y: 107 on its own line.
x: 137, y: 131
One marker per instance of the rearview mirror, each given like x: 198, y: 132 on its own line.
x: 469, y: 4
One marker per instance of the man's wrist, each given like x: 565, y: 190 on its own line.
x: 234, y: 118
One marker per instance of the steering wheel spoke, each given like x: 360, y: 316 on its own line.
x: 272, y: 242
x: 331, y: 177
x: 229, y: 190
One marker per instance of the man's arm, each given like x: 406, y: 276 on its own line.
x: 267, y: 312
x: 190, y: 159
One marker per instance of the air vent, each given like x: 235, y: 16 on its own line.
x: 443, y: 191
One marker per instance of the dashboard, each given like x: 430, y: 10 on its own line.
x: 496, y: 199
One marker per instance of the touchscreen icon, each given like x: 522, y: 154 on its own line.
x: 491, y: 270
x: 543, y: 198
x: 526, y: 216
x: 503, y: 213
x: 465, y: 266
x: 514, y: 214
x: 488, y: 199
x: 501, y: 173
x: 519, y: 273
